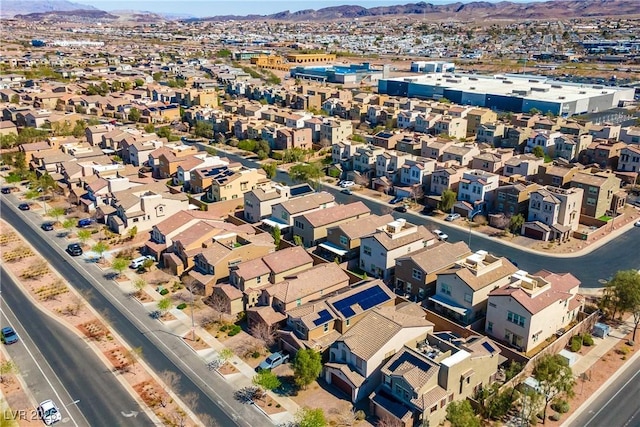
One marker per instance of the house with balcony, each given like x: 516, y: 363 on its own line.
x: 320, y: 323
x: 355, y: 359
x: 380, y: 249
x: 343, y: 241
x: 554, y: 213
x: 230, y: 184
x: 416, y: 273
x: 532, y: 308
x: 419, y: 382
x: 524, y: 165
x: 312, y: 227
x: 462, y: 291
x: 600, y: 193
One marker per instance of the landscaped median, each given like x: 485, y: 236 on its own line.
x: 50, y: 292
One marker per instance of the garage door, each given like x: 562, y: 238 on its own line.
x: 533, y: 233
x: 341, y: 385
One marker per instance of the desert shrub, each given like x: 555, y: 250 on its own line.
x: 164, y: 291
x: 255, y: 354
x: 623, y: 350
x: 587, y: 340
x: 276, y: 155
x: 224, y: 328
x: 181, y: 306
x: 360, y: 415
x: 555, y: 417
x: 234, y: 330
x: 576, y: 343
x: 560, y: 406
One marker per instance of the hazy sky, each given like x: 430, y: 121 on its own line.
x: 237, y: 7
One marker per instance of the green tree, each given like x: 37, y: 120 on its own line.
x: 133, y: 232
x: 134, y: 115
x: 305, y: 172
x: 157, y: 76
x: 119, y: 265
x: 68, y: 224
x: 622, y: 294
x: 447, y: 200
x: 56, y: 213
x: 311, y: 417
x: 164, y: 305
x: 276, y: 233
x: 266, y: 379
x: 223, y: 53
x: 100, y: 248
x: 139, y: 285
x: 15, y: 99
x: 460, y: 414
x: 307, y: 366
x: 164, y: 132
x: 84, y: 235
x: 138, y: 82
x: 297, y: 240
x: 554, y: 377
x: 270, y: 168
x: 149, y: 128
x: 515, y: 223
x: 538, y: 151
x: 203, y: 129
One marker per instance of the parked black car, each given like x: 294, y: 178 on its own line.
x: 47, y: 226
x: 74, y: 249
x: 24, y: 206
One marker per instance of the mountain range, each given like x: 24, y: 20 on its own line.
x: 474, y: 11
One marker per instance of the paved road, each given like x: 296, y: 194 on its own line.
x: 617, y: 406
x: 162, y: 350
x: 65, y: 369
x: 619, y: 254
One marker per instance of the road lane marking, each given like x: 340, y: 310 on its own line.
x: 6, y: 307
x: 611, y: 399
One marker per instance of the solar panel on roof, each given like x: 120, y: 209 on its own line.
x: 488, y: 347
x: 325, y: 316
x: 366, y: 299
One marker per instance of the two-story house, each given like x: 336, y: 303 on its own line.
x: 513, y: 199
x: 258, y: 203
x: 356, y: 357
x: 343, y: 241
x: 545, y: 139
x: 416, y: 273
x: 525, y: 165
x: 461, y: 155
x: 491, y: 133
x: 532, y: 308
x: 492, y: 160
x: 462, y: 291
x: 599, y: 192
x: 283, y: 214
x: 553, y: 213
x: 312, y: 227
x: 419, y: 382
x: 229, y: 184
x: 379, y: 250
x: 446, y: 179
x: 477, y: 188
x: 433, y: 148
x: 335, y: 130
x: 630, y: 159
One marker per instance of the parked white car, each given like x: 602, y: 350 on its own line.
x: 452, y: 217
x: 346, y: 184
x: 441, y: 235
x: 138, y: 262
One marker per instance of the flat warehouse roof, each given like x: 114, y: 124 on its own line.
x: 521, y: 86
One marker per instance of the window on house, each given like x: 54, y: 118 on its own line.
x: 344, y: 241
x: 326, y: 327
x: 416, y: 274
x: 515, y: 318
x: 489, y: 326
x: 467, y: 298
x: 366, y: 250
x: 445, y: 289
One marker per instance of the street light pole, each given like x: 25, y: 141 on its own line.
x: 193, y: 322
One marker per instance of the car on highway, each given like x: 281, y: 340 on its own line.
x: 49, y: 412
x: 24, y: 206
x: 8, y: 335
x: 274, y: 360
x: 85, y: 222
x: 346, y: 191
x: 47, y: 226
x: 452, y: 217
x: 139, y: 262
x: 441, y: 235
x: 401, y: 208
x: 74, y: 249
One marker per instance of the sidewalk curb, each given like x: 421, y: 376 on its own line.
x: 604, y: 385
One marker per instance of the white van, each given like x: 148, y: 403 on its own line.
x: 137, y: 262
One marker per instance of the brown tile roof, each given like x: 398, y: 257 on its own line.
x: 363, y: 226
x: 308, y: 282
x: 267, y: 314
x: 229, y: 291
x: 287, y: 259
x: 336, y: 213
x: 368, y: 336
x: 390, y: 243
x: 437, y: 257
x: 307, y: 203
x: 477, y: 282
x: 252, y: 269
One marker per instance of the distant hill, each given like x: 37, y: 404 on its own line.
x: 79, y: 15
x: 9, y: 8
x: 475, y: 11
